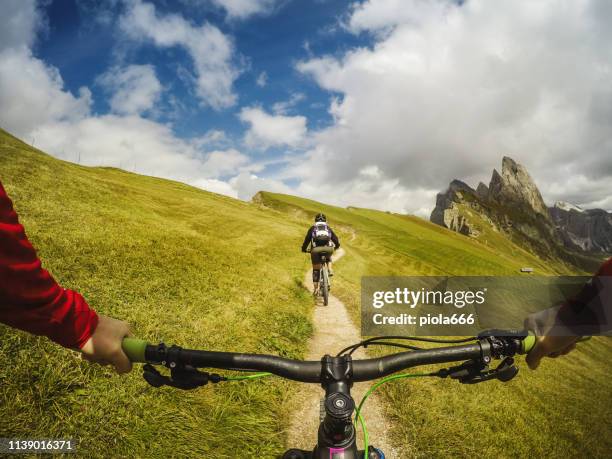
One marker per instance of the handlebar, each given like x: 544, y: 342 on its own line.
x: 487, y: 346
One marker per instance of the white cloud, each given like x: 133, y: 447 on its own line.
x: 19, y: 23
x: 262, y: 80
x: 447, y: 90
x: 129, y: 142
x: 211, y: 137
x: 272, y: 130
x: 212, y: 52
x: 241, y: 9
x: 247, y: 184
x: 135, y: 88
x: 31, y: 93
x: 382, y: 15
x: 224, y: 163
x: 282, y: 108
x: 217, y: 186
x: 146, y: 147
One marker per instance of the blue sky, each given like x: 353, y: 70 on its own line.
x: 372, y: 103
x: 83, y: 47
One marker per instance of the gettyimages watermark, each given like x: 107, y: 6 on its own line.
x: 466, y: 305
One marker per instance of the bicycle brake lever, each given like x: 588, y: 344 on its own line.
x: 181, y: 377
x: 153, y: 377
x: 472, y: 372
x: 504, y: 372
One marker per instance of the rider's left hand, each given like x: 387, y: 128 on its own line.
x: 104, y: 346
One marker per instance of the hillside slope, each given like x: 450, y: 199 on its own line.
x: 562, y: 410
x: 180, y: 265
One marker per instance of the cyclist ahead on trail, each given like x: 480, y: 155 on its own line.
x: 322, y: 241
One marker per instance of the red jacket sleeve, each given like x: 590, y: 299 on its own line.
x: 606, y: 269
x: 30, y: 299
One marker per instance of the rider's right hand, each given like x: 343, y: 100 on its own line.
x: 104, y: 346
x: 550, y: 346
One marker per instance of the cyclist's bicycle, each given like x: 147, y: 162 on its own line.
x: 337, y: 429
x: 322, y: 290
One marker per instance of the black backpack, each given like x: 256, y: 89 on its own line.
x: 321, y: 233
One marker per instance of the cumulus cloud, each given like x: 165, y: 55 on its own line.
x: 383, y: 15
x: 31, y: 93
x: 247, y: 184
x: 135, y: 88
x: 241, y: 9
x: 272, y: 130
x: 446, y: 90
x: 217, y: 186
x: 224, y: 163
x: 211, y: 51
x: 146, y: 147
x: 21, y: 20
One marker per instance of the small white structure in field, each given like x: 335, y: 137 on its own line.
x: 527, y: 270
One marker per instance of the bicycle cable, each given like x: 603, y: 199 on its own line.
x: 358, y: 414
x: 390, y: 344
x: 247, y: 377
x: 367, y: 342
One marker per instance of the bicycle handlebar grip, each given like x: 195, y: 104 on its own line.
x: 134, y: 348
x: 527, y: 344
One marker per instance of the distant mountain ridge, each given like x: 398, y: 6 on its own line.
x: 589, y: 230
x: 513, y: 205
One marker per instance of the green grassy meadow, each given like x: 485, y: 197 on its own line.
x: 564, y: 409
x: 201, y: 270
x: 181, y: 265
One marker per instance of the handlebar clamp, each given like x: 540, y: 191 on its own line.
x: 336, y: 369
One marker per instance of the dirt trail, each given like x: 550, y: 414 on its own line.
x: 334, y: 330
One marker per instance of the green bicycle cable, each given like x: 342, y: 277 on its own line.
x: 358, y: 415
x: 247, y: 377
x: 365, y: 433
x: 369, y: 392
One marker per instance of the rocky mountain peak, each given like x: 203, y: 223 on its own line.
x: 458, y: 185
x: 513, y: 205
x: 515, y: 186
x: 482, y: 191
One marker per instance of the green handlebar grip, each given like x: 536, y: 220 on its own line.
x: 135, y: 349
x: 527, y: 343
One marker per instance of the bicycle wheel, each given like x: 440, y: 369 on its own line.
x: 325, y: 285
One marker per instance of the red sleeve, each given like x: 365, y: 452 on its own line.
x: 30, y: 299
x: 606, y: 268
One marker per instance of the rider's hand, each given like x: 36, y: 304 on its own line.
x: 104, y: 346
x: 550, y: 346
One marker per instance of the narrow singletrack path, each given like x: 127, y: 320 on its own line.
x: 334, y: 330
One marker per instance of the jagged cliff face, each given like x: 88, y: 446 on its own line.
x: 512, y: 204
x: 516, y: 187
x: 588, y: 230
x: 447, y: 211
